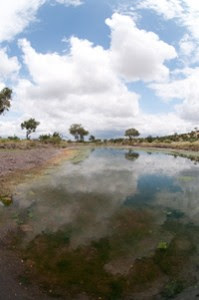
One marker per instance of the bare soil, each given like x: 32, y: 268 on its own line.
x: 14, y: 160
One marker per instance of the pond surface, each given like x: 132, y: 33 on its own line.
x: 120, y: 224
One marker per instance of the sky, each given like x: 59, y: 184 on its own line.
x: 109, y: 65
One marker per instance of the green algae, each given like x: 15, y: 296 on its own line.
x: 186, y: 178
x: 163, y: 245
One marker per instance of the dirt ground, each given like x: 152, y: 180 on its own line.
x: 13, y: 160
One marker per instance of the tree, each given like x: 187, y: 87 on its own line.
x: 30, y: 126
x: 78, y: 132
x: 132, y: 132
x: 92, y: 138
x: 82, y: 133
x: 5, y: 97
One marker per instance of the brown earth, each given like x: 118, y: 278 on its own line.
x: 15, y: 160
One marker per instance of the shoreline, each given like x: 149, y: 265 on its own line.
x: 17, y: 165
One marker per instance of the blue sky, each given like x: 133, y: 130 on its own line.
x: 109, y: 65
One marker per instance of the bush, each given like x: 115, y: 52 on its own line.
x: 14, y: 138
x: 51, y: 139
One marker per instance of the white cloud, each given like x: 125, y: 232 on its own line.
x: 9, y: 66
x: 161, y: 124
x: 186, y: 89
x: 187, y: 45
x: 16, y: 15
x: 186, y: 15
x: 70, y: 2
x: 185, y: 12
x: 137, y: 54
x: 85, y: 85
x: 76, y: 87
x: 168, y: 8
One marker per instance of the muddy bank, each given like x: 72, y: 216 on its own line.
x: 16, y: 165
x: 15, y: 160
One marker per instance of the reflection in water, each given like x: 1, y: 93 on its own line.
x: 131, y: 155
x: 97, y: 226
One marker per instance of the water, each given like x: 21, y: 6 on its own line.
x: 120, y: 224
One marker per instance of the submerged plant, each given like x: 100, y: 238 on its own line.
x: 172, y: 289
x: 6, y: 200
x: 163, y: 246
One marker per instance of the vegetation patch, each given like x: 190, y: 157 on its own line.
x: 6, y: 200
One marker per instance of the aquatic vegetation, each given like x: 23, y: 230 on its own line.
x: 175, y: 214
x: 163, y: 246
x: 173, y: 288
x: 6, y: 200
x: 186, y: 178
x: 81, y: 156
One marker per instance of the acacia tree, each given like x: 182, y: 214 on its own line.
x: 5, y: 98
x: 78, y: 132
x: 132, y: 132
x: 30, y: 126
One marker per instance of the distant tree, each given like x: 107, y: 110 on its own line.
x: 30, y: 126
x: 82, y: 133
x: 91, y: 138
x: 78, y: 132
x: 5, y: 98
x: 149, y: 139
x: 74, y: 130
x: 132, y: 132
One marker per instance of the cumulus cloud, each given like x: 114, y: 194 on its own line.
x: 76, y: 87
x: 185, y: 13
x: 187, y: 45
x: 183, y: 83
x: 16, y: 15
x: 186, y: 89
x: 85, y: 85
x: 137, y: 54
x: 88, y: 84
x: 162, y: 124
x: 9, y: 66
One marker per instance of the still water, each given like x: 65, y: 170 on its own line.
x: 120, y: 224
